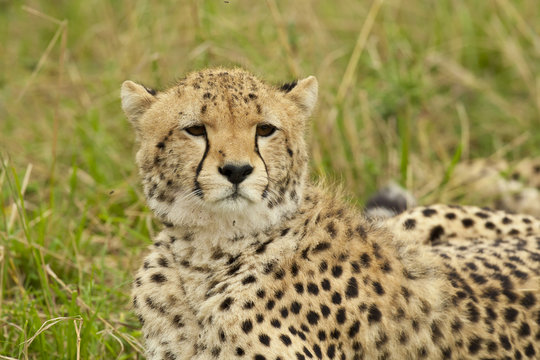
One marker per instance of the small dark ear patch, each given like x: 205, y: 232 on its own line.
x: 288, y: 87
x: 150, y: 91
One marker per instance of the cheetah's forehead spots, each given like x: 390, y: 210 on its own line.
x: 232, y: 96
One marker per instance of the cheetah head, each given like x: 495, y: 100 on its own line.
x: 221, y: 148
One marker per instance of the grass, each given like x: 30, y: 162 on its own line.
x: 408, y: 90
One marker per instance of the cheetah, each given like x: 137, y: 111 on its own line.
x: 256, y: 262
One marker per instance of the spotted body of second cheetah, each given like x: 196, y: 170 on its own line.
x: 255, y: 262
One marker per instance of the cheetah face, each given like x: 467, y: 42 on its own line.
x: 221, y: 145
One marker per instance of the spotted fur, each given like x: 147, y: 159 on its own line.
x: 275, y: 267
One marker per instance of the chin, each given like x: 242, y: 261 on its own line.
x: 237, y: 204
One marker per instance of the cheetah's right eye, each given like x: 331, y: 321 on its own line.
x: 197, y: 130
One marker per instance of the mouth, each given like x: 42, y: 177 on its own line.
x: 235, y: 196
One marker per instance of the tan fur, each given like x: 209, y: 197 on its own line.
x: 285, y: 270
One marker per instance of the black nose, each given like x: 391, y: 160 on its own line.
x: 236, y: 173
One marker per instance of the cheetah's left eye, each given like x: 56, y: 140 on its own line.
x: 196, y: 130
x: 265, y: 130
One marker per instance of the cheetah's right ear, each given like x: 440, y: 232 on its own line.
x: 136, y: 99
x: 304, y: 94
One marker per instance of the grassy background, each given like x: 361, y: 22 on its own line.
x: 406, y: 90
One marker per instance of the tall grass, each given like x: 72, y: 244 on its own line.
x: 408, y: 89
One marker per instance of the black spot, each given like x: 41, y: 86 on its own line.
x: 331, y: 229
x: 307, y: 352
x: 524, y: 330
x: 203, y: 109
x: 467, y: 222
x: 226, y: 304
x: 336, y: 298
x: 285, y: 339
x: 158, y: 278
x: 335, y: 334
x: 365, y: 260
x: 294, y: 269
x: 447, y: 353
x: 492, y: 346
x: 482, y: 215
x: 259, y: 357
x: 321, y: 247
x: 299, y: 287
x: 378, y: 288
x: 317, y: 351
x: 479, y: 279
x: 510, y: 314
x: 264, y: 339
x: 374, y: 314
x: 491, y: 293
x: 280, y: 274
x: 352, y: 288
x: 325, y: 310
x: 528, y: 300
x: 215, y: 351
x: 325, y: 284
x: 428, y: 212
x: 268, y: 267
x: 247, y: 326
x: 403, y: 338
x: 472, y: 312
x: 160, y: 145
x: 259, y: 318
x: 249, y: 279
x: 284, y: 312
x: 341, y: 316
x: 353, y: 330
x: 529, y: 350
x: 163, y: 262
x: 312, y: 288
x: 296, y: 307
x: 409, y: 224
x: 337, y: 271
x: 240, y: 351
x: 270, y: 304
x: 290, y: 152
x: 275, y: 323
x: 288, y: 86
x: 475, y: 345
x: 435, y: 233
x: 248, y: 305
x: 169, y: 356
x: 177, y: 321
x: 284, y: 231
x: 450, y: 216
x: 456, y: 324
x: 312, y: 317
x: 331, y: 351
x: 386, y: 267
x: 503, y: 339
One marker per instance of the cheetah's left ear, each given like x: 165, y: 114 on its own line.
x: 304, y: 94
x: 136, y: 99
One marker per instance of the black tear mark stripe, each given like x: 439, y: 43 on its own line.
x: 198, y: 191
x: 265, y: 192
